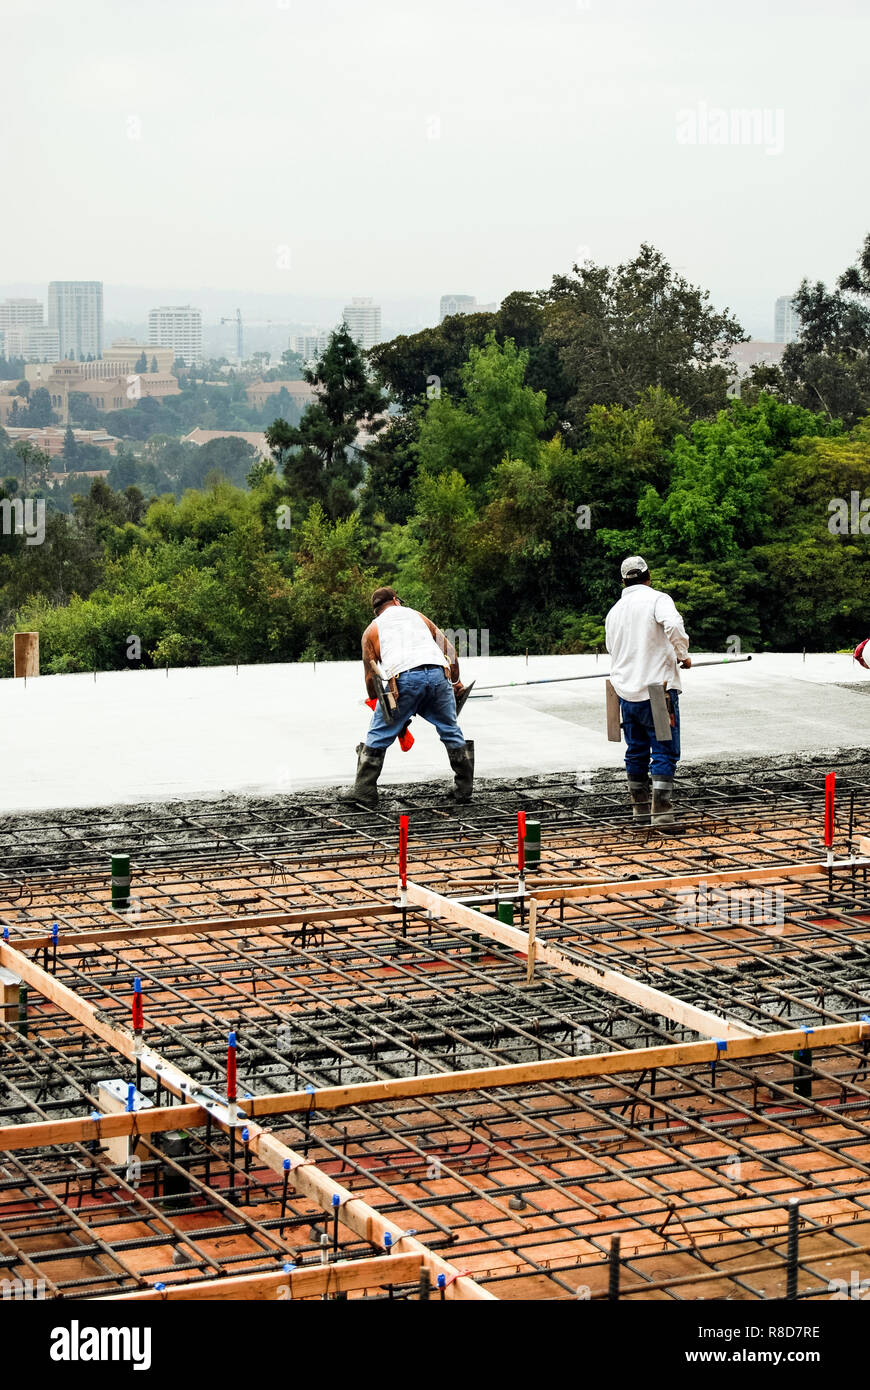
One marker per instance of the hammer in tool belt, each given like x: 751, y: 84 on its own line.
x: 386, y: 692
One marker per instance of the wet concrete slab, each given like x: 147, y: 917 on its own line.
x: 149, y: 736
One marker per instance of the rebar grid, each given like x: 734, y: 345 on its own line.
x: 695, y: 1173
x: 522, y: 1186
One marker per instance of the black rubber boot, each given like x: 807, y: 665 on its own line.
x: 368, y: 770
x: 462, y: 762
x: 663, y: 817
x: 640, y: 801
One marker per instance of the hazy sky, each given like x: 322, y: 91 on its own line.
x: 393, y: 148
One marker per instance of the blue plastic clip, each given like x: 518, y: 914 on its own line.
x: 388, y: 1241
x: 286, y: 1165
x: 55, y: 932
x: 246, y: 1134
x: 336, y: 1200
x: 131, y: 1097
x: 5, y: 933
x: 441, y: 1281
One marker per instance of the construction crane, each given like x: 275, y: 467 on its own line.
x: 240, y: 342
x: 253, y: 323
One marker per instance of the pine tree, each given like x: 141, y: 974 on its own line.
x: 320, y: 457
x: 70, y: 451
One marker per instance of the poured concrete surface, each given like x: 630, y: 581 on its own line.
x: 138, y: 736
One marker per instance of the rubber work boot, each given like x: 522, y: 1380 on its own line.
x: 462, y: 762
x: 663, y: 805
x: 640, y: 793
x: 368, y: 770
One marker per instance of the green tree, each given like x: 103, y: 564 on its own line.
x: 70, y: 450
x: 619, y: 331
x: 497, y: 416
x: 154, y: 366
x: 331, y: 586
x: 141, y: 362
x: 320, y: 458
x: 828, y: 368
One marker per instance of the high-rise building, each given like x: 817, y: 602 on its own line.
x: 786, y: 324
x: 75, y: 310
x: 179, y: 327
x: 363, y: 318
x: 456, y: 304
x: 33, y: 342
x: 311, y: 346
x: 21, y: 313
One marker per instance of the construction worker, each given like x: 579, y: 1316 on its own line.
x: 648, y: 644
x: 410, y: 655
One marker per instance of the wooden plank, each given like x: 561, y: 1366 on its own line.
x: 630, y: 887
x: 42, y: 1133
x: 46, y: 1132
x: 532, y: 946
x: 610, y: 981
x: 340, y: 1277
x: 556, y: 1069
x: 25, y: 654
x: 614, y: 726
x: 356, y: 1214
x: 211, y: 926
x: 66, y: 999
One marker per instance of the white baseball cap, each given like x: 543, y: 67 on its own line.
x: 635, y: 564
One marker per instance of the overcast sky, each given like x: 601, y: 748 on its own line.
x: 399, y: 148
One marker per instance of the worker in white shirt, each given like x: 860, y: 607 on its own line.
x: 648, y: 644
x: 413, y: 655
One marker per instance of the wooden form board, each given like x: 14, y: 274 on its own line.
x: 42, y: 1133
x: 340, y: 1277
x: 630, y: 887
x: 610, y: 981
x: 211, y: 926
x: 129, y: 935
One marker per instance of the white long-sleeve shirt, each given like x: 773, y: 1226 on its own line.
x: 645, y: 636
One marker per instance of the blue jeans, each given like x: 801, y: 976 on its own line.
x: 644, y: 753
x: 425, y: 691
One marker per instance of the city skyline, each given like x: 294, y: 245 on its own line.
x: 611, y: 124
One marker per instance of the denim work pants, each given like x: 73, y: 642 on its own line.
x: 425, y: 691
x: 644, y: 753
